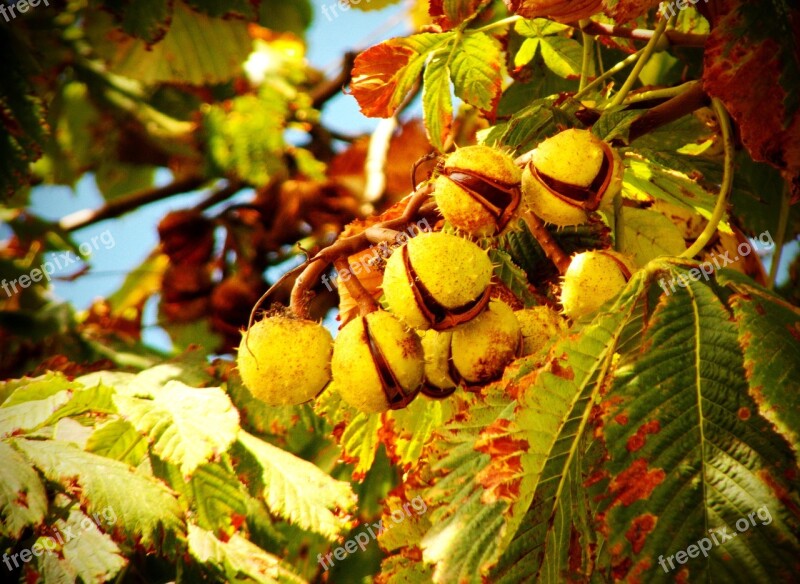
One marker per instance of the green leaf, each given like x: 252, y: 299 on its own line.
x: 647, y: 180
x: 23, y: 501
x: 562, y: 56
x: 297, y: 490
x: 756, y: 197
x: 615, y: 124
x: 283, y: 16
x: 554, y: 414
x: 186, y: 425
x: 648, y: 235
x: 437, y: 107
x: 360, y: 442
x: 413, y: 427
x: 29, y: 389
x: 538, y: 27
x: 215, y: 495
x: 477, y: 70
x: 769, y: 334
x: 512, y: 276
x: 641, y: 416
x: 526, y: 52
x: 231, y: 8
x: 245, y: 137
x: 24, y: 127
x: 30, y: 415
x: 688, y: 453
x: 466, y: 529
x: 147, y: 20
x: 238, y: 560
x: 147, y: 513
x: 526, y: 128
x: 118, y: 440
x: 115, y: 179
x: 197, y: 49
x: 97, y: 400
x: 87, y: 554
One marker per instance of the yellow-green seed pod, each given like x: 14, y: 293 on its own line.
x: 478, y: 190
x: 290, y: 361
x: 436, y: 281
x: 570, y: 175
x: 538, y: 325
x: 441, y: 378
x: 592, y: 279
x: 377, y: 363
x: 482, y: 347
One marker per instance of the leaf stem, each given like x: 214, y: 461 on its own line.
x: 619, y: 223
x: 780, y: 236
x: 649, y: 49
x: 725, y: 188
x: 610, y: 73
x: 588, y: 57
x: 313, y: 269
x: 675, y: 37
x: 549, y: 245
x: 366, y: 303
x: 498, y: 24
x: 664, y: 93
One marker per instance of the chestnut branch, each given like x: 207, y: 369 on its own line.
x: 302, y: 293
x: 639, y: 34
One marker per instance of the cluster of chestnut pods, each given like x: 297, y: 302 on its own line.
x: 442, y: 328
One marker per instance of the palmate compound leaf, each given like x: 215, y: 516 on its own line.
x: 294, y: 488
x: 655, y: 451
x: 186, y: 425
x: 238, y: 560
x: 146, y: 512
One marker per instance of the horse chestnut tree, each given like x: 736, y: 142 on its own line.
x: 539, y: 323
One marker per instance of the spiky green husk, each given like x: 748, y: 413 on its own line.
x: 290, y: 360
x: 355, y: 370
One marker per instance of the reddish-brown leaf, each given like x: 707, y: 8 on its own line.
x: 626, y: 10
x: 375, y: 77
x: 558, y: 10
x: 752, y: 65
